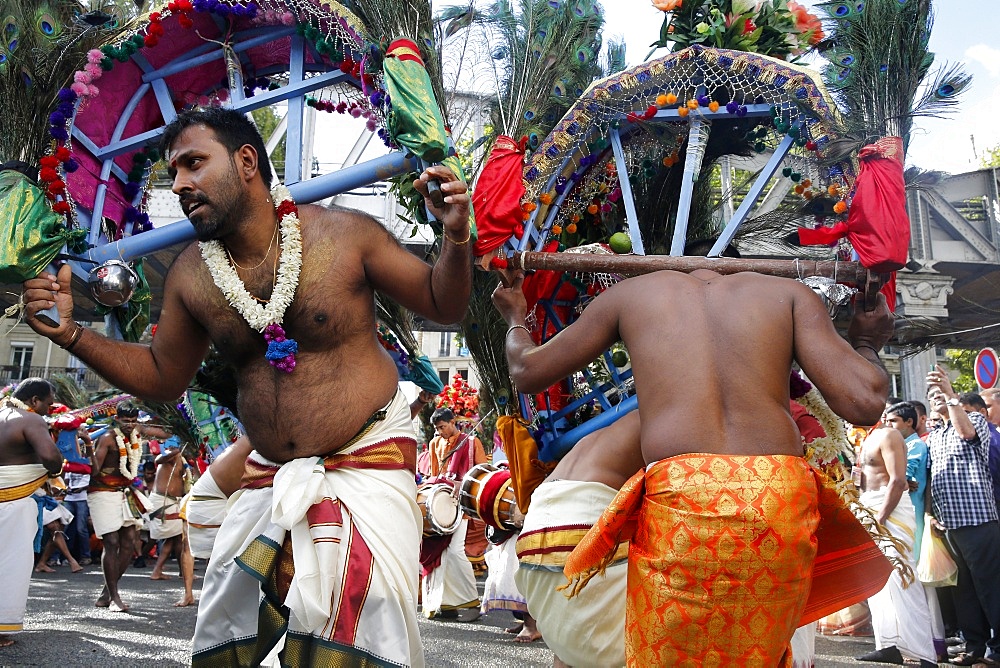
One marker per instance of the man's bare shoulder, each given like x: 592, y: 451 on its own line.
x: 345, y: 219
x: 885, y: 436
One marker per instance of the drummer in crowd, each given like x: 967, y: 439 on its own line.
x: 449, y: 584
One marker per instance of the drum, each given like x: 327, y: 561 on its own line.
x: 472, y: 486
x: 439, y: 508
x: 487, y: 493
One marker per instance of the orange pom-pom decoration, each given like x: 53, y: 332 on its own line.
x: 808, y: 194
x: 556, y: 230
x: 683, y: 111
x: 713, y: 106
x: 545, y: 198
x: 832, y: 189
x: 529, y: 206
x: 840, y: 207
x: 571, y: 228
x: 525, y: 216
x: 574, y: 218
x: 662, y: 101
x: 807, y: 182
x: 692, y: 103
x: 671, y: 98
x: 592, y: 209
x: 799, y: 189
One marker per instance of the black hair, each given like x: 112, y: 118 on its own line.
x: 702, y: 247
x: 232, y: 128
x: 127, y: 409
x: 892, y: 401
x: 442, y: 415
x: 905, y: 410
x: 973, y: 400
x: 919, y: 407
x: 29, y: 388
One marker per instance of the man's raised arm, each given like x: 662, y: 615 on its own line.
x: 534, y: 368
x: 160, y: 371
x: 440, y: 293
x: 849, y: 375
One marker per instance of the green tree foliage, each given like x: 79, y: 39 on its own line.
x: 267, y: 120
x: 991, y: 158
x: 963, y: 362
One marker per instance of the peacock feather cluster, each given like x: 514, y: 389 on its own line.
x: 42, y: 44
x: 880, y: 71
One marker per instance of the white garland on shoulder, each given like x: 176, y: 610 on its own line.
x: 128, y: 458
x: 16, y: 403
x: 258, y: 315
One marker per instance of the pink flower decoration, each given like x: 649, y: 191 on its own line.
x: 92, y: 90
x: 82, y: 77
x: 93, y: 70
x: 94, y: 56
x: 288, y: 18
x: 80, y: 89
x: 356, y: 112
x: 223, y: 94
x: 371, y: 125
x: 203, y: 100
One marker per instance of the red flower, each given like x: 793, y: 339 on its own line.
x: 185, y: 21
x: 151, y: 40
x: 48, y: 174
x: 498, y: 263
x: 749, y: 26
x: 806, y: 22
x: 61, y: 207
x: 49, y: 161
x: 57, y: 187
x: 286, y: 208
x: 62, y: 154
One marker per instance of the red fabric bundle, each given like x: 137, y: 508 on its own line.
x: 877, y: 224
x: 497, y: 197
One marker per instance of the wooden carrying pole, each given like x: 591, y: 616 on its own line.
x: 852, y: 273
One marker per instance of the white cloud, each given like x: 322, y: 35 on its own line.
x: 985, y: 55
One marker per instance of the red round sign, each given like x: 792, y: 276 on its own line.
x: 986, y: 368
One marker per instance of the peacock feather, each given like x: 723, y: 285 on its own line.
x: 42, y: 44
x: 542, y: 56
x: 880, y: 70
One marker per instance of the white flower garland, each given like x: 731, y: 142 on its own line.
x: 824, y: 451
x: 16, y: 403
x: 128, y: 458
x: 258, y: 315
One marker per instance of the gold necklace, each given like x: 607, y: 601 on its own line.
x: 266, y: 255
x: 274, y: 281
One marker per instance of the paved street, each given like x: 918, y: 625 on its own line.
x: 63, y: 628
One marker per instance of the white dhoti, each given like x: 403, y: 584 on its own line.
x: 589, y: 629
x: 18, y: 525
x: 452, y: 585
x: 501, y: 591
x: 900, y: 616
x: 112, y: 511
x: 164, y: 517
x: 349, y: 580
x: 204, y: 509
x: 60, y: 513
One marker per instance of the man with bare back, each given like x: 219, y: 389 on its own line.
x: 286, y: 294
x: 727, y: 508
x: 28, y: 457
x: 588, y: 629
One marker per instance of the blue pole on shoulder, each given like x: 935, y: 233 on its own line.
x: 304, y: 192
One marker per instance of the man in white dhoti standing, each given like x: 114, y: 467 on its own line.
x: 900, y: 616
x: 28, y: 456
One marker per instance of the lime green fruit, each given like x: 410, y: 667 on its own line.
x: 620, y: 358
x: 620, y: 243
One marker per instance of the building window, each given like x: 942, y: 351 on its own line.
x: 443, y: 375
x: 464, y: 373
x: 444, y: 349
x: 20, y: 359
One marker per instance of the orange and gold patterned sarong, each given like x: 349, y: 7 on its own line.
x: 722, y: 558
